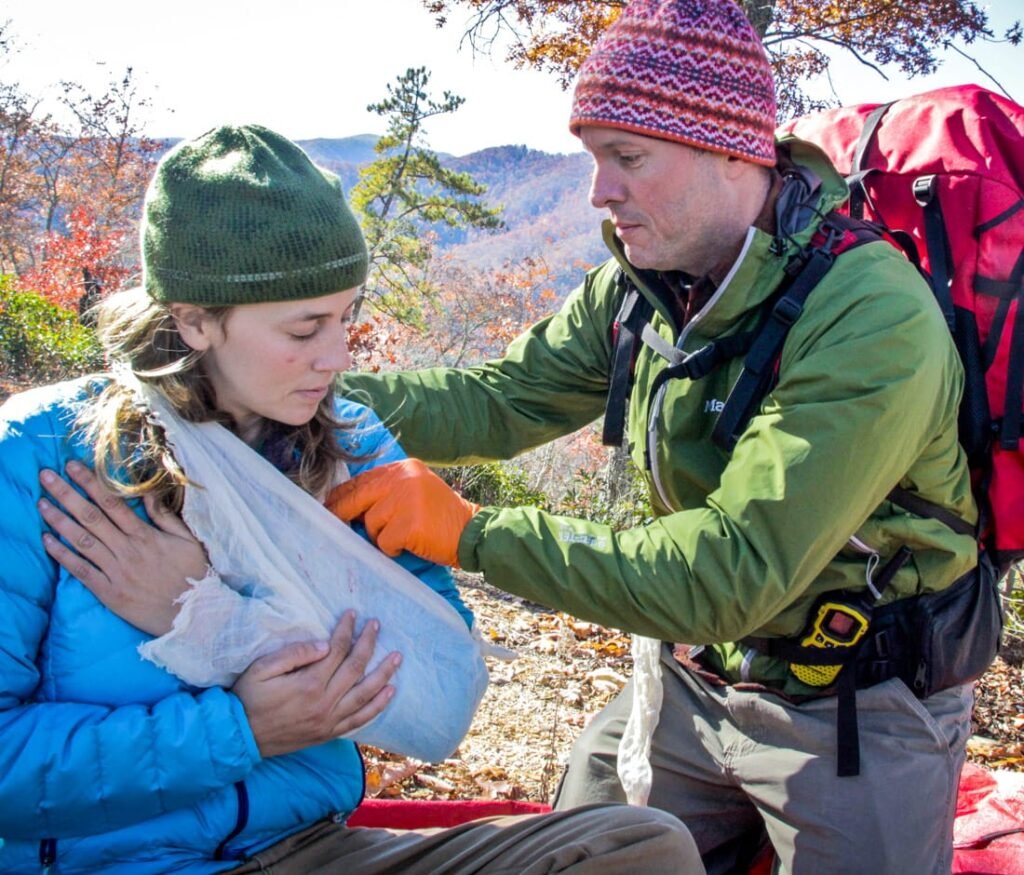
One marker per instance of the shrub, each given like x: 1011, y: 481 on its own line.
x: 40, y: 341
x: 503, y: 484
x: 1014, y: 601
x: 623, y: 503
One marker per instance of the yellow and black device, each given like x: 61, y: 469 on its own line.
x: 834, y: 624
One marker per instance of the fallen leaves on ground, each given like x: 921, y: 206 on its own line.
x: 999, y: 712
x: 534, y: 708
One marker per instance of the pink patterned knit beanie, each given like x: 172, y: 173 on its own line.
x: 693, y: 71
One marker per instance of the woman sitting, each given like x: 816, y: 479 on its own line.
x: 108, y: 763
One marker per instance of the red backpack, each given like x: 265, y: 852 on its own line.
x: 947, y: 168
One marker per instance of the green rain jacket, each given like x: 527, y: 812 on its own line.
x: 867, y: 395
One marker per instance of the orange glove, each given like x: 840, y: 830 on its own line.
x: 406, y: 506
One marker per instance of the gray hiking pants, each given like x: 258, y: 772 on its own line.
x: 729, y: 761
x: 596, y: 840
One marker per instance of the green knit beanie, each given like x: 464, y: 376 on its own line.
x: 241, y: 215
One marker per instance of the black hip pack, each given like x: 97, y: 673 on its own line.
x: 931, y: 642
x: 936, y: 641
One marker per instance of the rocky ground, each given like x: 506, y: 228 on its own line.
x: 566, y: 670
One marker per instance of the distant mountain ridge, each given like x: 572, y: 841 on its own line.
x: 344, y: 156
x: 546, y: 210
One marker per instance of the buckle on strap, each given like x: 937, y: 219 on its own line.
x: 662, y: 347
x: 695, y: 365
x: 787, y: 310
x: 700, y: 363
x: 924, y: 188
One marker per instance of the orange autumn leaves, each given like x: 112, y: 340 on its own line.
x: 556, y: 35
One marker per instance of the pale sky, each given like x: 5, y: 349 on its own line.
x: 308, y: 68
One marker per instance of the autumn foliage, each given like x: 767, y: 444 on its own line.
x: 68, y: 261
x: 70, y: 191
x: 556, y: 35
x: 472, y: 316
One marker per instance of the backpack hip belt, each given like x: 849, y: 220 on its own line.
x: 931, y: 642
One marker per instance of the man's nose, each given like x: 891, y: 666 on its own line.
x: 606, y: 187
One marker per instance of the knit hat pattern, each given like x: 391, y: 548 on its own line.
x: 241, y: 215
x: 692, y: 71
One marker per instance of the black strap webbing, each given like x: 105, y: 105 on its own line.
x: 628, y: 324
x: 924, y: 508
x: 998, y: 220
x: 759, y: 365
x: 974, y: 417
x: 1004, y: 290
x: 995, y: 332
x: 847, y: 731
x: 703, y: 361
x: 858, y: 194
x: 1009, y: 430
x: 940, y: 262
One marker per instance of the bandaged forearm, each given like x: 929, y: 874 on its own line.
x: 218, y: 633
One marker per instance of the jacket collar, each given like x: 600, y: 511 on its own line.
x: 754, y: 274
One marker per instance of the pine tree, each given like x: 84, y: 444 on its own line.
x: 406, y: 193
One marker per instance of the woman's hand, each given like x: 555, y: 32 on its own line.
x: 306, y: 694
x: 136, y: 569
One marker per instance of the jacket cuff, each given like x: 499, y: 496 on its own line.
x: 471, y: 538
x: 252, y: 748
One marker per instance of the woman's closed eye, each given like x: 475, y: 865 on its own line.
x: 307, y: 329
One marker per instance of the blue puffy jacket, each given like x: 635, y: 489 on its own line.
x: 107, y: 762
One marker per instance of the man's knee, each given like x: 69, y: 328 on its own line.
x: 589, y: 777
x: 591, y: 774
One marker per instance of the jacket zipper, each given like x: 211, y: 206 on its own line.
x: 241, y: 821
x: 654, y: 414
x: 47, y: 856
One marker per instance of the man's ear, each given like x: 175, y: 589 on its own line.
x: 194, y: 325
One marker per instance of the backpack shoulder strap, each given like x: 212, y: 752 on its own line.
x: 633, y: 315
x: 940, y: 262
x: 924, y: 508
x: 858, y: 193
x: 837, y: 234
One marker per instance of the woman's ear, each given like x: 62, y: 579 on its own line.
x: 194, y: 325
